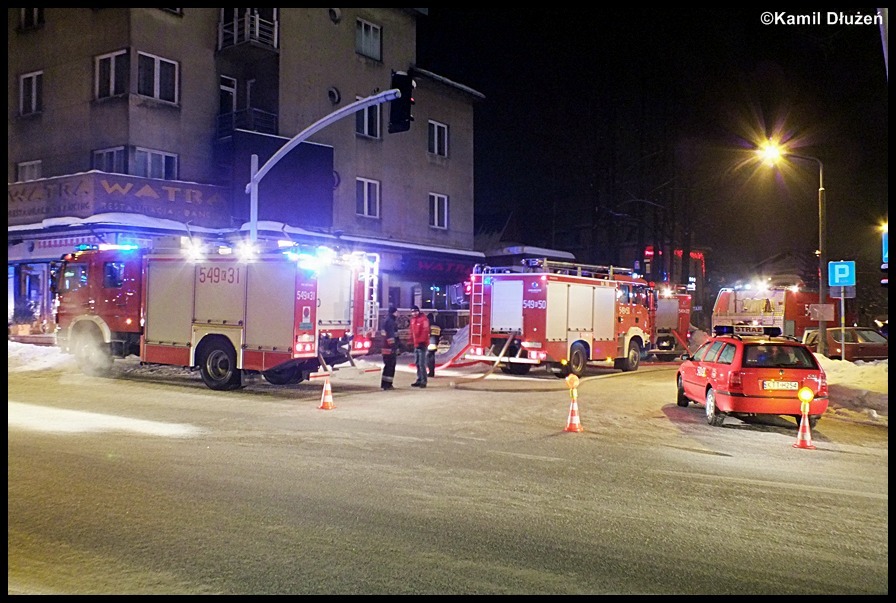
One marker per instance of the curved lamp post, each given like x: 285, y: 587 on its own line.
x: 770, y: 153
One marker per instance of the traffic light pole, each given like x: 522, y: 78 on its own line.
x: 258, y: 174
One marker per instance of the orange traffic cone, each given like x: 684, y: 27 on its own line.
x: 573, y: 424
x: 804, y: 436
x: 326, y: 397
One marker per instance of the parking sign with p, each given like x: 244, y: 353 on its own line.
x: 842, y: 274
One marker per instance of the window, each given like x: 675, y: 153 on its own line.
x: 367, y: 122
x: 438, y: 139
x: 368, y: 40
x: 227, y: 95
x: 367, y: 198
x: 110, y: 160
x: 74, y: 277
x: 700, y: 354
x: 31, y: 93
x: 438, y: 210
x: 113, y: 275
x: 156, y: 77
x: 155, y: 164
x: 714, y: 351
x: 31, y: 18
x: 623, y: 294
x: 111, y: 74
x: 727, y: 355
x: 29, y: 170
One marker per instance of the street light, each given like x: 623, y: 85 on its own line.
x: 770, y: 153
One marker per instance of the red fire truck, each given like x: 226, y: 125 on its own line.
x: 559, y: 315
x: 280, y: 314
x: 788, y: 308
x: 671, y: 322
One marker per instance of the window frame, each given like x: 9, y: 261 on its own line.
x: 368, y: 121
x: 35, y: 166
x: 33, y: 82
x: 118, y: 74
x: 31, y: 18
x: 437, y: 133
x: 161, y: 67
x: 438, y: 211
x: 365, y: 188
x: 144, y: 169
x: 367, y: 36
x: 119, y: 160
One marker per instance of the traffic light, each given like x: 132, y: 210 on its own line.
x: 400, y: 117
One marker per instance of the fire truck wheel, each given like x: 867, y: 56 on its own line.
x: 91, y: 354
x: 217, y: 364
x: 578, y: 359
x: 713, y: 416
x: 682, y: 400
x: 630, y: 362
x: 283, y: 376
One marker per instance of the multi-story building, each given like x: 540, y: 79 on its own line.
x: 139, y: 125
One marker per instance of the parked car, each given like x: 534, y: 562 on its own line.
x: 851, y: 343
x: 746, y: 370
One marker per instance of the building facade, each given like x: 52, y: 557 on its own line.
x: 139, y: 125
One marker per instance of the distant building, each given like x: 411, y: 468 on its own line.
x: 139, y: 124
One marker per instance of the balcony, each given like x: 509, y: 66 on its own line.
x: 253, y: 120
x: 249, y: 32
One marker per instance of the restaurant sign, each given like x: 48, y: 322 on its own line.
x: 92, y: 193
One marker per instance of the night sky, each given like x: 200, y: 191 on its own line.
x: 586, y: 111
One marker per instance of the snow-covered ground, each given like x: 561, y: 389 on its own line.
x: 861, y: 387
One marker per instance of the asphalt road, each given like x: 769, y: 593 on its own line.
x: 149, y: 483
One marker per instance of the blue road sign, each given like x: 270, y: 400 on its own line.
x: 885, y: 251
x: 842, y: 274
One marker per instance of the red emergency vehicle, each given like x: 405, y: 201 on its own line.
x: 280, y: 314
x: 559, y: 315
x: 671, y: 322
x: 791, y: 309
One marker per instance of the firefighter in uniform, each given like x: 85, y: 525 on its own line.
x: 435, y: 335
x: 391, y: 348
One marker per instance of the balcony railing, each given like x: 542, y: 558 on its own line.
x: 250, y: 28
x: 253, y: 120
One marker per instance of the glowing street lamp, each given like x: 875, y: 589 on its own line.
x: 771, y: 153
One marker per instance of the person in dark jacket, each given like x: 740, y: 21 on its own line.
x: 391, y: 348
x: 420, y: 341
x: 435, y: 335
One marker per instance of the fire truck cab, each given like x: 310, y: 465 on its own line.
x: 559, y: 315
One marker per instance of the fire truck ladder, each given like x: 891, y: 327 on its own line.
x: 572, y: 269
x: 371, y: 276
x: 477, y: 307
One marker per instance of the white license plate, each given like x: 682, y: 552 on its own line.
x: 779, y: 385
